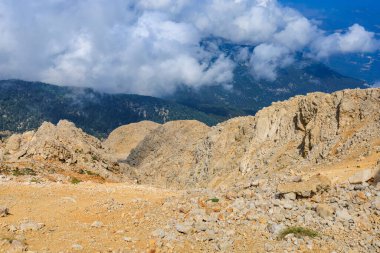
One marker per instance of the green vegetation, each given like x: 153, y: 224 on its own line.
x: 90, y: 173
x: 214, y: 200
x: 94, y: 157
x: 75, y: 180
x: 22, y: 172
x: 298, y: 232
x: 35, y: 180
x: 87, y: 172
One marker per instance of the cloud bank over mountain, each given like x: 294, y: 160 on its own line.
x: 152, y: 46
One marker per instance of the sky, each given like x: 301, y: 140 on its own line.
x: 150, y: 47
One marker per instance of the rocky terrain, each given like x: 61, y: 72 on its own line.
x: 302, y: 175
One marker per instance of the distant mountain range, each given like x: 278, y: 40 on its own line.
x: 25, y: 105
x: 249, y: 95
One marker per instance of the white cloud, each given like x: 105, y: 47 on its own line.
x: 152, y: 46
x: 355, y: 40
x: 266, y: 58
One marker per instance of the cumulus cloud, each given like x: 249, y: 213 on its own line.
x: 356, y: 39
x: 152, y: 46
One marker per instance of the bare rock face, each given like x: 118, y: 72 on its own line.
x: 166, y: 155
x: 306, y: 130
x: 303, y: 132
x: 63, y: 145
x: 123, y: 139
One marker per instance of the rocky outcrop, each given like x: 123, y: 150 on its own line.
x: 123, y: 139
x: 63, y: 146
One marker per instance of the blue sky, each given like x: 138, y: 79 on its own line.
x: 150, y: 47
x: 338, y: 14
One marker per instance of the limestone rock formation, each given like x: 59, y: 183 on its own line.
x: 301, y: 133
x: 61, y: 147
x: 167, y: 155
x: 123, y: 139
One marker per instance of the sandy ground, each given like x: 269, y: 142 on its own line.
x: 68, y: 211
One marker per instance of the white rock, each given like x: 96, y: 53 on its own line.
x: 76, y: 246
x: 97, y: 224
x: 343, y: 214
x: 31, y: 225
x: 158, y: 233
x: 362, y: 176
x: 183, y: 228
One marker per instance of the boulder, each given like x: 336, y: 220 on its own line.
x: 306, y: 188
x: 362, y: 176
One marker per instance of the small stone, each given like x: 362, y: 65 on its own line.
x: 127, y: 239
x: 290, y: 196
x: 200, y: 226
x: 250, y: 215
x: 76, y: 247
x: 376, y: 203
x: 158, y: 233
x: 275, y: 229
x: 255, y: 183
x: 268, y: 247
x: 183, y: 228
x: 362, y: 176
x: 97, y: 224
x: 343, y: 214
x: 362, y: 196
x: 4, y: 211
x: 297, y: 179
x: 288, y: 205
x: 324, y: 211
x: 31, y: 225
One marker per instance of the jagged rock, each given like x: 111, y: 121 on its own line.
x: 65, y: 146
